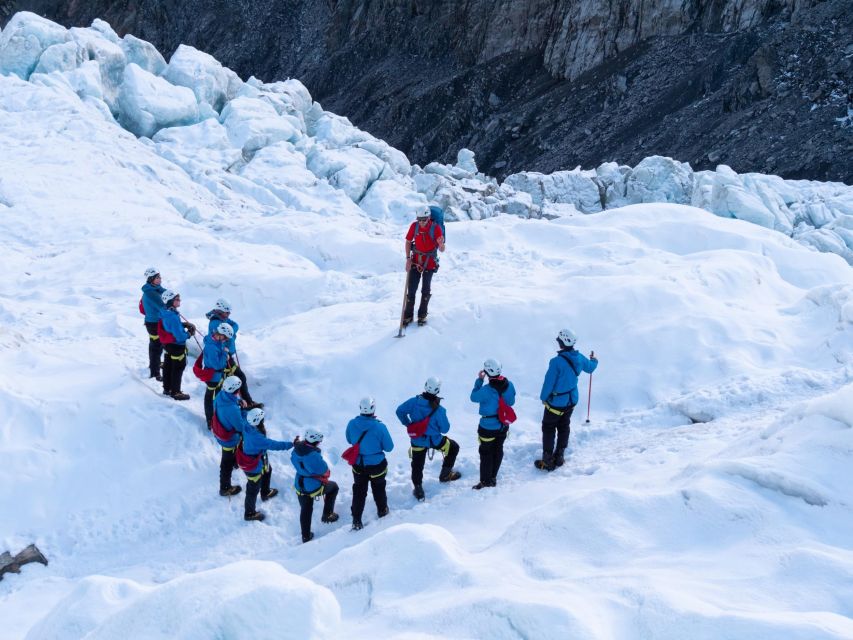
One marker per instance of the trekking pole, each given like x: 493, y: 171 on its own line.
x: 400, y: 333
x: 589, y: 395
x: 195, y: 336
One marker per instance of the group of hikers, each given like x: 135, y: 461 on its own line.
x: 237, y: 421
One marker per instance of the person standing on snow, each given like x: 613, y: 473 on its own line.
x: 424, y: 417
x: 423, y: 240
x: 216, y: 358
x: 221, y: 313
x: 151, y: 305
x: 312, y: 481
x: 174, y: 335
x: 560, y: 396
x: 491, y: 432
x: 228, y: 424
x: 371, y: 466
x: 253, y: 460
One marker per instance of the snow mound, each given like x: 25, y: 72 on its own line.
x: 23, y: 41
x: 239, y: 600
x: 212, y: 84
x: 149, y: 103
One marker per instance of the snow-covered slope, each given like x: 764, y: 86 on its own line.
x: 709, y: 496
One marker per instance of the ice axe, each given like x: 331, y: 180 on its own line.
x: 400, y: 332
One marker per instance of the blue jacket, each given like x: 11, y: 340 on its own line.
x: 215, y: 357
x: 215, y: 321
x: 418, y: 408
x: 152, y: 301
x: 308, y: 462
x: 487, y: 395
x: 560, y: 388
x: 231, y: 415
x: 256, y: 444
x: 376, y: 439
x: 172, y: 323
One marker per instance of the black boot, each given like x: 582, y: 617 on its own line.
x: 449, y: 475
x: 418, y: 492
x: 269, y: 494
x: 422, y: 309
x: 546, y: 463
x: 255, y: 515
x: 356, y: 524
x: 230, y: 491
x: 409, y: 311
x: 330, y: 518
x: 559, y: 459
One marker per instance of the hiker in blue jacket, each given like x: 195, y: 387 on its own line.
x: 312, y: 481
x: 216, y: 358
x: 371, y: 466
x: 174, y: 338
x: 152, y: 303
x: 427, y: 406
x: 252, y: 456
x: 221, y: 314
x: 560, y: 396
x: 491, y: 433
x: 230, y: 422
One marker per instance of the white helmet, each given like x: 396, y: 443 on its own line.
x: 231, y: 384
x: 168, y: 296
x: 492, y: 367
x: 422, y: 212
x: 567, y: 337
x: 150, y: 272
x: 313, y: 436
x: 255, y: 416
x: 225, y: 329
x: 367, y: 406
x: 222, y: 305
x: 432, y: 385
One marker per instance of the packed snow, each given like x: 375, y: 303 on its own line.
x: 709, y: 496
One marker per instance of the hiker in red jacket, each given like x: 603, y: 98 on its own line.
x: 423, y: 241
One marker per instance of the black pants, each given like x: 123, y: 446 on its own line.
x: 155, y: 349
x: 415, y: 277
x: 244, y: 388
x: 362, y: 476
x: 261, y: 485
x: 173, y: 367
x: 209, y: 397
x: 419, y: 459
x: 551, y: 424
x: 491, y: 453
x: 306, y: 504
x: 226, y: 466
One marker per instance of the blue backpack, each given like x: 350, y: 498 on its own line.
x: 436, y: 214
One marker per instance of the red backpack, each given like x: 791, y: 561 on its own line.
x: 141, y: 307
x: 352, y: 453
x: 506, y: 414
x: 219, y: 429
x: 165, y: 336
x: 418, y: 429
x: 246, y: 462
x: 200, y: 371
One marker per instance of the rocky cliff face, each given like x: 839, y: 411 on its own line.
x: 761, y: 85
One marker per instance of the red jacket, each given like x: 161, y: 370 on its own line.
x: 426, y: 244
